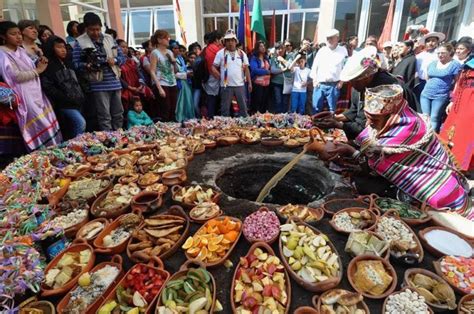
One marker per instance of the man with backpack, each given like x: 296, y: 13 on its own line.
x: 210, y: 80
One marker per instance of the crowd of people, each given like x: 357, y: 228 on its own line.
x: 55, y: 89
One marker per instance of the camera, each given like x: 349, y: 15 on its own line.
x: 95, y: 58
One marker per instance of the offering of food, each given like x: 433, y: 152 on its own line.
x: 205, y: 211
x: 261, y: 284
x: 69, y: 266
x: 214, y: 240
x: 262, y: 225
x: 121, y: 195
x: 402, y: 239
x: 466, y: 304
x: 371, y: 277
x: 70, y: 219
x: 366, y: 242
x: 132, y: 177
x: 146, y: 159
x: 436, y: 291
x: 193, y: 195
x: 117, y: 236
x: 407, y: 301
x: 353, y: 220
x: 91, y: 229
x: 148, y: 179
x: 157, y: 187
x: 458, y: 272
x: 305, y: 213
x: 445, y: 242
x: 453, y: 221
x: 250, y: 136
x: 404, y: 210
x: 308, y: 254
x: 156, y: 237
x: 342, y: 301
x: 86, y: 188
x: 190, y: 292
x: 74, y: 170
x: 91, y: 286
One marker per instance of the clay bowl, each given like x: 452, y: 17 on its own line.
x: 318, y: 213
x: 305, y: 310
x: 229, y: 251
x: 156, y: 264
x: 45, y: 307
x: 271, y: 141
x: 80, y: 233
x: 437, y: 267
x: 173, y: 210
x: 466, y: 298
x: 398, y: 292
x: 81, y: 171
x: 227, y: 140
x: 255, y: 240
x: 414, y: 256
x: 352, y: 268
x: 374, y: 214
x: 431, y: 249
x: 147, y: 147
x: 56, y: 197
x: 266, y: 249
x: 116, y: 261
x: 290, y: 145
x: 313, y: 287
x: 111, y: 213
x: 130, y: 178
x: 317, y: 303
x: 410, y: 221
x: 386, y: 254
x: 203, y: 220
x: 146, y: 201
x: 72, y: 230
x: 174, y: 177
x: 143, y: 184
x: 175, y: 189
x: 117, y: 249
x: 209, y: 144
x: 78, y: 245
x: 182, y: 272
x: 343, y: 203
x: 200, y: 149
x: 452, y: 225
x: 437, y: 307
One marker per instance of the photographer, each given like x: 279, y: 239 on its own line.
x: 97, y: 59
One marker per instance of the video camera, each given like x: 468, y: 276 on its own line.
x: 95, y: 58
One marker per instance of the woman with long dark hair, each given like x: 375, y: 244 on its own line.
x: 260, y: 74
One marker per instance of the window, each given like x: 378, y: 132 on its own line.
x: 449, y: 15
x: 209, y: 25
x: 267, y: 19
x: 310, y: 22
x: 414, y: 13
x: 140, y: 27
x: 294, y: 32
x: 164, y: 19
x: 222, y: 23
x: 149, y: 3
x: 304, y: 4
x: 215, y: 6
x: 124, y: 22
x: 347, y: 17
x: 377, y: 15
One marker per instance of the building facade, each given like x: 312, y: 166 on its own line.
x: 295, y: 19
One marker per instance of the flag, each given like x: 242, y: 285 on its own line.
x: 181, y: 24
x: 243, y: 32
x: 272, y: 39
x: 387, y: 27
x: 257, y: 20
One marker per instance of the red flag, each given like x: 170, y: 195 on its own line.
x: 248, y: 32
x: 387, y: 27
x: 272, y: 38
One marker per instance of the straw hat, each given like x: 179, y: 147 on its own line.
x: 230, y: 34
x: 438, y: 35
x: 360, y: 62
x: 383, y: 99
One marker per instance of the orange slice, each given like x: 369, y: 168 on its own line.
x: 213, y: 247
x: 217, y: 239
x: 189, y: 243
x: 193, y: 251
x: 202, y: 254
x: 231, y: 235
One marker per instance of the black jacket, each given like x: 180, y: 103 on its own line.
x: 406, y: 70
x: 59, y: 81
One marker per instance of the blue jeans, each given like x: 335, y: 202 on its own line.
x: 280, y: 100
x: 75, y: 121
x: 298, y: 102
x: 197, y: 102
x: 328, y: 91
x: 434, y: 108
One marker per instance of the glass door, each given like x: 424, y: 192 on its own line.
x: 140, y: 27
x: 164, y: 19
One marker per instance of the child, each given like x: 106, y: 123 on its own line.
x: 137, y: 116
x: 298, y: 93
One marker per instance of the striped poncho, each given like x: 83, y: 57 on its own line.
x: 416, y: 162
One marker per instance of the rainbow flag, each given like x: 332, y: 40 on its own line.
x: 181, y: 24
x: 243, y: 32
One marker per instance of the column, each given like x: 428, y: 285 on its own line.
x: 326, y: 19
x: 113, y: 7
x: 49, y: 13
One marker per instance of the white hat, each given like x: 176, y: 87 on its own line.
x: 438, y: 35
x: 359, y: 62
x: 230, y: 34
x: 387, y: 44
x: 332, y: 32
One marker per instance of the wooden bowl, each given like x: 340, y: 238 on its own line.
x: 466, y: 298
x: 228, y: 140
x: 430, y: 248
x: 117, y: 249
x: 373, y: 214
x: 255, y: 240
x: 129, y: 178
x: 173, y: 210
x: 174, y: 177
x: 305, y: 310
x: 313, y: 287
x: 83, y: 171
x: 80, y: 245
x: 317, y: 303
x: 386, y: 253
x: 157, y: 265
x: 202, y: 221
x: 438, y: 307
x: 182, y: 272
x: 318, y: 213
x: 177, y: 188
x: 409, y: 221
x: 271, y: 141
x: 415, y: 255
x: 80, y: 232
x: 437, y: 267
x: 146, y: 201
x: 352, y: 268
x: 116, y: 261
x: 210, y: 144
x: 265, y: 248
x: 229, y: 251
x: 56, y: 197
x: 398, y: 292
x: 120, y: 210
x: 344, y: 203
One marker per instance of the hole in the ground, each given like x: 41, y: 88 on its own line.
x: 302, y: 185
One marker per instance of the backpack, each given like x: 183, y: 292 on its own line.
x: 200, y: 72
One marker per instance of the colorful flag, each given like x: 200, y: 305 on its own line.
x: 257, y: 20
x: 181, y: 24
x: 272, y: 39
x: 243, y: 32
x: 387, y: 27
